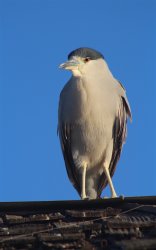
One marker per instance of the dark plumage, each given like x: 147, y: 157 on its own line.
x: 86, y: 52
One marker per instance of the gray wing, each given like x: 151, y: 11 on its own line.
x: 65, y: 134
x: 119, y: 135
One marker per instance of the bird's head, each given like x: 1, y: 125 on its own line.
x: 80, y: 60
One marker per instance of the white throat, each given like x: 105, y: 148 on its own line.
x: 76, y: 73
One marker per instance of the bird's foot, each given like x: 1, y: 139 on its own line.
x: 114, y: 195
x: 105, y: 197
x: 84, y: 197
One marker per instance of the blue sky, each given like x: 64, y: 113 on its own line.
x: 35, y: 37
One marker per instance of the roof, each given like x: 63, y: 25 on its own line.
x: 118, y: 223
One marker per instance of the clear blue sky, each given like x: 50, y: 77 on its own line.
x: 35, y: 37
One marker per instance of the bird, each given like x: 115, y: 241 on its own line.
x: 92, y: 122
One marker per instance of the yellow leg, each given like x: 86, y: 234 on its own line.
x: 106, y: 170
x: 83, y: 193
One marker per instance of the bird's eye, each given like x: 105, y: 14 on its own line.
x: 87, y: 59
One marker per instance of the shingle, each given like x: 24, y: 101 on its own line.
x: 137, y: 244
x: 93, y: 213
x: 25, y: 228
x: 12, y: 219
x: 61, y: 237
x: 1, y: 221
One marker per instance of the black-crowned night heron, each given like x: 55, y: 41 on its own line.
x: 93, y: 111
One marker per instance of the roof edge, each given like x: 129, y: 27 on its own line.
x: 41, y: 206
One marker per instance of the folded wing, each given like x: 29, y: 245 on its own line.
x: 119, y: 135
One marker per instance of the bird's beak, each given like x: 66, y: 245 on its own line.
x: 70, y: 65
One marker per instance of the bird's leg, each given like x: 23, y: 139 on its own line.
x: 83, y: 186
x: 106, y: 170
